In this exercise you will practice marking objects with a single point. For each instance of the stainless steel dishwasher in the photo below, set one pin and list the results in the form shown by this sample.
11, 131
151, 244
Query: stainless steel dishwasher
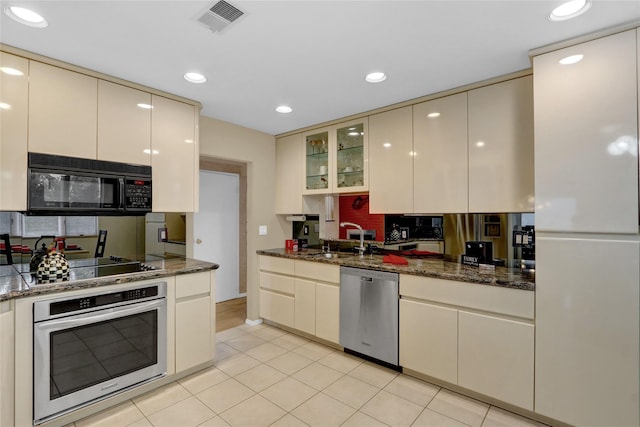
369, 313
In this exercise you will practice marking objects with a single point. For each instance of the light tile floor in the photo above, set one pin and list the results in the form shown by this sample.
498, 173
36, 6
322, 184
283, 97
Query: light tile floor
264, 376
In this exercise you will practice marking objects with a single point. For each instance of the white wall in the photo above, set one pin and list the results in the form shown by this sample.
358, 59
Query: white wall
223, 140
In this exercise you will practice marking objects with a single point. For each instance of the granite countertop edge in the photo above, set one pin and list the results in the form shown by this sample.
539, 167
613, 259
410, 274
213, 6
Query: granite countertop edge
435, 268
12, 287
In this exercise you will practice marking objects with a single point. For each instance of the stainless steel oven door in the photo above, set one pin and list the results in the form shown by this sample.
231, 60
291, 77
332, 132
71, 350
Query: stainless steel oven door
82, 358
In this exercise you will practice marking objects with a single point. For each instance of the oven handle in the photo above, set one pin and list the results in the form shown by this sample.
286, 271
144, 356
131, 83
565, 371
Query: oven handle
93, 316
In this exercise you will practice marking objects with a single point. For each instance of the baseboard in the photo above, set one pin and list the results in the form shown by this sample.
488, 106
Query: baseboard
253, 322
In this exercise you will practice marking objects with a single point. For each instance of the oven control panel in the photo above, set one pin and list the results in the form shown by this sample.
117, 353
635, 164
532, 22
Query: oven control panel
94, 301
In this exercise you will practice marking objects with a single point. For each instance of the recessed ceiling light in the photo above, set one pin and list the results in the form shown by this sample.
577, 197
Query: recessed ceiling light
571, 59
284, 109
4, 106
386, 145
145, 106
11, 71
376, 77
195, 77
432, 115
25, 16
480, 144
189, 141
569, 10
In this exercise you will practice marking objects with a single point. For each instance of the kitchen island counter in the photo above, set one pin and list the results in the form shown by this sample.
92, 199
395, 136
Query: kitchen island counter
426, 267
12, 284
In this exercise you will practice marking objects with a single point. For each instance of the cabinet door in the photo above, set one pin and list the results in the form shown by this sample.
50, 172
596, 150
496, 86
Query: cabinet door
316, 162
305, 306
429, 339
193, 335
440, 178
328, 312
63, 111
277, 307
7, 347
124, 124
495, 357
14, 96
391, 161
501, 147
289, 151
586, 127
174, 156
587, 331
350, 171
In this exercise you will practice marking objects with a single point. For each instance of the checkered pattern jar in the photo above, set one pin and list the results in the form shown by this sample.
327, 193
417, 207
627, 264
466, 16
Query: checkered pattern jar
54, 267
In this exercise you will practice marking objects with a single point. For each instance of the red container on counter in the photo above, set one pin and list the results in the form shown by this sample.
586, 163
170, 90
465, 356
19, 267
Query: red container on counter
291, 245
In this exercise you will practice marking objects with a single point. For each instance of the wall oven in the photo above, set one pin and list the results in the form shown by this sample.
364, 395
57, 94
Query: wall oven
87, 348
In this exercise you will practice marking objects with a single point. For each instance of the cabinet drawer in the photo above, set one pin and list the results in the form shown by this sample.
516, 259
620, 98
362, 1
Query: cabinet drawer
276, 307
193, 284
276, 282
277, 265
511, 302
317, 271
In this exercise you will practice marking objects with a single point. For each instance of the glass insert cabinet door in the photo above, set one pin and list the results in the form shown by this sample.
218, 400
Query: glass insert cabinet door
350, 156
317, 161
336, 159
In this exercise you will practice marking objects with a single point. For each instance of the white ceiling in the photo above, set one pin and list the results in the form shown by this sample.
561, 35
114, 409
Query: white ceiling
311, 55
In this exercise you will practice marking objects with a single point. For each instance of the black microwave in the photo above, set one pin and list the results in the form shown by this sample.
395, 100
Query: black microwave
60, 185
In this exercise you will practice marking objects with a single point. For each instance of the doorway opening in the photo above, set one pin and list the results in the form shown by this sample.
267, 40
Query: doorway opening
233, 312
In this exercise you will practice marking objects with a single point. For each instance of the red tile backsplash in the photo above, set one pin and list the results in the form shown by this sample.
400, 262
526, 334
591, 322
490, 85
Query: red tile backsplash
360, 216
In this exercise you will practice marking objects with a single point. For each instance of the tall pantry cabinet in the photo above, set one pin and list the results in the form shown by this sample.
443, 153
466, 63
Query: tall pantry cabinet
588, 248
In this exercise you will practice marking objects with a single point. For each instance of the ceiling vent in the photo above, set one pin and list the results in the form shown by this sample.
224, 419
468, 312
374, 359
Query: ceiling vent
220, 15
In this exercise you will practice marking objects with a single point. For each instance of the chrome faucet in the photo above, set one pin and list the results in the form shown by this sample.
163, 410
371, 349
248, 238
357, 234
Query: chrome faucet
361, 248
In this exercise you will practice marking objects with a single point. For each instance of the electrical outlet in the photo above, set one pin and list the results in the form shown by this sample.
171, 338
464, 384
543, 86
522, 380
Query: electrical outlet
262, 230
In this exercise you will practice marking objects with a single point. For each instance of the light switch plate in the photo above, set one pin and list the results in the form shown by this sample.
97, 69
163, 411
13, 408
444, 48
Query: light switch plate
262, 230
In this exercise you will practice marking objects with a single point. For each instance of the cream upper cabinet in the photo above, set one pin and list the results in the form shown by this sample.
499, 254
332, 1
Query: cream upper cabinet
501, 147
440, 177
174, 158
14, 110
391, 161
124, 124
336, 159
63, 112
586, 130
289, 151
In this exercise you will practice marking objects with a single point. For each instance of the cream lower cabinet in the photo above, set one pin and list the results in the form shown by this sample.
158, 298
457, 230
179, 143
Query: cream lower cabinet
63, 111
14, 92
303, 295
429, 339
391, 161
496, 357
277, 290
194, 320
476, 336
305, 306
328, 311
7, 377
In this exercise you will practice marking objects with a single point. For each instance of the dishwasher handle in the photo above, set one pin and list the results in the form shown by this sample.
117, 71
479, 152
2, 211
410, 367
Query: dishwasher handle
366, 279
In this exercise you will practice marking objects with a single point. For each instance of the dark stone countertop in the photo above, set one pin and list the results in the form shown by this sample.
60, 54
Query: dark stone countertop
14, 285
427, 267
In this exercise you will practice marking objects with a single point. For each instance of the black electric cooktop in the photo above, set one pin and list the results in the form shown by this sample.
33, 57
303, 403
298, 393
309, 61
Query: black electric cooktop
90, 268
